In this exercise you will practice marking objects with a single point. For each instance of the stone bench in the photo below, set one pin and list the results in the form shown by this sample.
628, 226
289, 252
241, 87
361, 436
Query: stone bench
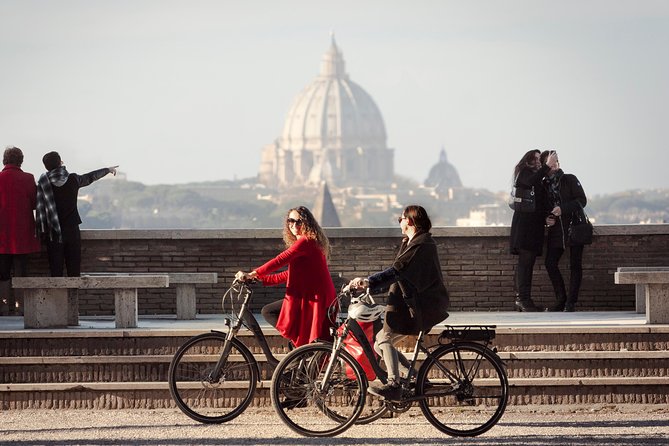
651, 287
46, 303
185, 287
640, 288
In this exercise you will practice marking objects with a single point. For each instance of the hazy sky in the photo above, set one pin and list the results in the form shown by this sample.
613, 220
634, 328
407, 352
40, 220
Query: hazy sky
180, 91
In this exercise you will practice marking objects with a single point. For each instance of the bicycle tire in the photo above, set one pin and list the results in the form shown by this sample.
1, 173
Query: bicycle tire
298, 400
470, 402
374, 409
196, 394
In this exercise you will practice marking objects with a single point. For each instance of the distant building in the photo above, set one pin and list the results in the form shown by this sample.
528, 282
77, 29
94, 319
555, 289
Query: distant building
333, 132
485, 215
443, 175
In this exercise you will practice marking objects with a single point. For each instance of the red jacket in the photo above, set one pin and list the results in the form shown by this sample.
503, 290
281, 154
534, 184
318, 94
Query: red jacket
18, 194
309, 291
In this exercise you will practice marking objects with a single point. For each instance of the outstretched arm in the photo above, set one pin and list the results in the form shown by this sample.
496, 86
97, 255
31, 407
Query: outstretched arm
88, 178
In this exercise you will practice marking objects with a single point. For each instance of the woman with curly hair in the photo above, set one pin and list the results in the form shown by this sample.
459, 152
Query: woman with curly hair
302, 315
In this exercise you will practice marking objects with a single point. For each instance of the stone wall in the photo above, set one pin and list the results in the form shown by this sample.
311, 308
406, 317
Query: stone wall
477, 265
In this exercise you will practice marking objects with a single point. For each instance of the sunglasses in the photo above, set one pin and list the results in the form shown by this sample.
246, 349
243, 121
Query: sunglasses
399, 219
292, 221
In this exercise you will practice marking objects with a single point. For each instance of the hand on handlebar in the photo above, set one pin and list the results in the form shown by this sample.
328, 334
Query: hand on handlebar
358, 283
241, 276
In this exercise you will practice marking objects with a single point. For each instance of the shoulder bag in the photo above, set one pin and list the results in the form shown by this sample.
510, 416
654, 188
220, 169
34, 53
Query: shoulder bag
580, 229
522, 199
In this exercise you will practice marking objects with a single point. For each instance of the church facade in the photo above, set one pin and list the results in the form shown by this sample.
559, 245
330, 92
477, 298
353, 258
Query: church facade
333, 133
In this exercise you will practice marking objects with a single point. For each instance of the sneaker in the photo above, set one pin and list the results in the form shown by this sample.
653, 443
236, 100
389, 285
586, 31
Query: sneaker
390, 392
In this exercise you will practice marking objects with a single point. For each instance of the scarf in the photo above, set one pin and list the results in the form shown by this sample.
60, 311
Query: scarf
553, 185
47, 214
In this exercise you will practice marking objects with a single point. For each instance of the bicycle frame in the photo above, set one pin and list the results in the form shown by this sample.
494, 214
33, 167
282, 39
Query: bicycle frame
247, 319
328, 380
352, 326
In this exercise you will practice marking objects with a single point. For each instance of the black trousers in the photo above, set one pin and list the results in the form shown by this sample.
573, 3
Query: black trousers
524, 271
270, 312
18, 261
66, 254
552, 261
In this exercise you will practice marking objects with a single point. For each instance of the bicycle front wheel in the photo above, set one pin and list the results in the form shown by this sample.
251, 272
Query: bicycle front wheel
206, 396
306, 403
466, 389
374, 409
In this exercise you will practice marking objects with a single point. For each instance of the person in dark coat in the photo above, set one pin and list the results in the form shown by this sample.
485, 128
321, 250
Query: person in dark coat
58, 217
567, 199
417, 297
18, 238
527, 228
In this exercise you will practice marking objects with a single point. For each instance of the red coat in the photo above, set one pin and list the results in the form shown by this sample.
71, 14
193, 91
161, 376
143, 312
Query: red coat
309, 291
18, 195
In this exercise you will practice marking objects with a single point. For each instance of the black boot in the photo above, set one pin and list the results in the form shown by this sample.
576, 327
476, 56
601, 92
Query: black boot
570, 307
527, 306
559, 304
559, 289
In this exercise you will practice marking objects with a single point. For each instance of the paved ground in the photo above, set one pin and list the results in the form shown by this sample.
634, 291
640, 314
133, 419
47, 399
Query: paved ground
619, 426
205, 322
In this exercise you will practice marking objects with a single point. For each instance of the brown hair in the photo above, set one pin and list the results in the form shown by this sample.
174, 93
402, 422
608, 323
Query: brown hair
417, 215
13, 155
524, 162
310, 229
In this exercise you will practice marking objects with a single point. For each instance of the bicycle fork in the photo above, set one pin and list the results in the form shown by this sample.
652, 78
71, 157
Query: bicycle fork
334, 357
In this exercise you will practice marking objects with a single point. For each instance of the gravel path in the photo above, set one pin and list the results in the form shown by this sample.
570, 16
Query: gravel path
617, 426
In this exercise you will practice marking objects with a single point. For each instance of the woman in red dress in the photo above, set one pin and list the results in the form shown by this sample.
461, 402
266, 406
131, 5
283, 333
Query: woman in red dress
302, 315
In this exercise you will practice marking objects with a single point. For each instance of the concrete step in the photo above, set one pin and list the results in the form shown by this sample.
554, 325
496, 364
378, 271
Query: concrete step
153, 395
102, 368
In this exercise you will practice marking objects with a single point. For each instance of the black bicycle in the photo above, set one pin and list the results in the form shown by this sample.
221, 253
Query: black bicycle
461, 385
213, 376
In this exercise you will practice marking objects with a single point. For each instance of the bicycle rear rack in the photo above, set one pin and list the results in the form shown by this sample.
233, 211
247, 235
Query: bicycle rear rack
482, 333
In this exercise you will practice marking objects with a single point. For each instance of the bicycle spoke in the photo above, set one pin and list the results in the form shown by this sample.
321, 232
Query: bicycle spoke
466, 388
220, 399
306, 403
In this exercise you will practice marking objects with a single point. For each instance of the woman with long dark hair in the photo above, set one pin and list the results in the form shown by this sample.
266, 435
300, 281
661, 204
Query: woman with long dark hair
302, 315
527, 228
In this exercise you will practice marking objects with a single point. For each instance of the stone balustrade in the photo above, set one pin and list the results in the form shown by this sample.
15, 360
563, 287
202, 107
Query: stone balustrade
476, 263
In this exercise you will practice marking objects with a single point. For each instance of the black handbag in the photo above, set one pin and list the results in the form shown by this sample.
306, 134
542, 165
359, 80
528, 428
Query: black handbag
522, 200
580, 229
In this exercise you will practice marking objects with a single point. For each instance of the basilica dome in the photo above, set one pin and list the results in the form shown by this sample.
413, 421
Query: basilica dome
333, 112
333, 132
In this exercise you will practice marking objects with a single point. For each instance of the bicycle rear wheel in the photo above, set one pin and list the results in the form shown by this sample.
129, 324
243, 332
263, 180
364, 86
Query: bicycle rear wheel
206, 398
466, 388
311, 407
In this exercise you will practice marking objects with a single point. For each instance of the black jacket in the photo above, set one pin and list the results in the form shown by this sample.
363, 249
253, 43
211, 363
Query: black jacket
527, 228
416, 282
65, 197
571, 199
